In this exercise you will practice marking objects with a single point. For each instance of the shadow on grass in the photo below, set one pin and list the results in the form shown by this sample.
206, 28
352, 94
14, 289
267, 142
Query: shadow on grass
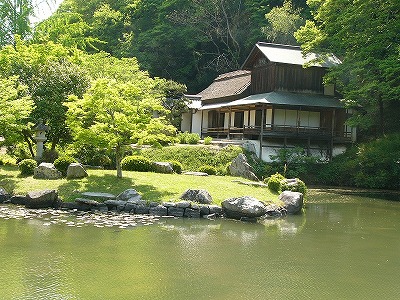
108, 184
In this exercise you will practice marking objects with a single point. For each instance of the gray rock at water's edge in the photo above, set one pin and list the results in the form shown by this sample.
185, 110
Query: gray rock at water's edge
128, 194
246, 206
76, 171
183, 204
274, 210
115, 202
192, 213
128, 207
4, 195
215, 209
46, 171
158, 210
137, 201
240, 167
98, 196
204, 210
89, 202
169, 204
199, 196
293, 201
142, 209
18, 199
176, 211
163, 167
42, 199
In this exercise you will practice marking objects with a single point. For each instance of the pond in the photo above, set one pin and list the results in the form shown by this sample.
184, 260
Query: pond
343, 247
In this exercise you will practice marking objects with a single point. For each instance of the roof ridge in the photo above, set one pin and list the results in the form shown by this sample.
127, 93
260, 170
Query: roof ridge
278, 45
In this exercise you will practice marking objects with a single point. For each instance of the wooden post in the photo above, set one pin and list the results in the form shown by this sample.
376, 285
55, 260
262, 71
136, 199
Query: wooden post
201, 124
332, 133
262, 130
229, 123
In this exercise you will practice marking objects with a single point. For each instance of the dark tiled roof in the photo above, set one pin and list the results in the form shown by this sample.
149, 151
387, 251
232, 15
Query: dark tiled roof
228, 84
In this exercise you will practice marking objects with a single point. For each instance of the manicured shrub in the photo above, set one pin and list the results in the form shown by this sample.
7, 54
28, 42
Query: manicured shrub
193, 138
182, 137
176, 166
6, 160
210, 170
299, 186
63, 162
208, 140
274, 182
137, 163
27, 166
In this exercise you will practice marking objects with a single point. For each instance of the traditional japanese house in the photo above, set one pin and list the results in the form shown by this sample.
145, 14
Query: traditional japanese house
278, 99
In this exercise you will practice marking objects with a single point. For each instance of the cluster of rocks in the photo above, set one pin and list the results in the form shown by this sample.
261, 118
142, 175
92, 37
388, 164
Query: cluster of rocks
193, 204
49, 171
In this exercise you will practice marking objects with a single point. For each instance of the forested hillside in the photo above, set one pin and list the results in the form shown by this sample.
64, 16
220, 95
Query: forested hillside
189, 41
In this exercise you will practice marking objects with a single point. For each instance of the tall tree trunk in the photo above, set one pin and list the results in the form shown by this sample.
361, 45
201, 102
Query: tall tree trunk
118, 161
27, 138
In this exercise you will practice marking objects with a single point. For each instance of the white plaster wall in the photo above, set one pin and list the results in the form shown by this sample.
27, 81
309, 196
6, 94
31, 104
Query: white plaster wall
185, 125
226, 120
196, 123
252, 118
268, 115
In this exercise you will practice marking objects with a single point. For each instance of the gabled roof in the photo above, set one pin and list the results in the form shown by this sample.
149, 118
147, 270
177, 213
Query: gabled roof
282, 98
228, 84
287, 54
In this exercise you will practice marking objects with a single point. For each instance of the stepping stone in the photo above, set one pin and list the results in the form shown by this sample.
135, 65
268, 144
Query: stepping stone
98, 196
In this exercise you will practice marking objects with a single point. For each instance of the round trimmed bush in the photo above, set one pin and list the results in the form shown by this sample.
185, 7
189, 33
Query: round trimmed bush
208, 140
274, 182
27, 166
136, 163
299, 186
63, 162
193, 138
176, 166
210, 170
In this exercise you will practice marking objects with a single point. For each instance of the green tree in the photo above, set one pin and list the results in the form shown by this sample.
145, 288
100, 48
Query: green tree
365, 34
14, 18
283, 22
113, 114
15, 107
68, 29
50, 76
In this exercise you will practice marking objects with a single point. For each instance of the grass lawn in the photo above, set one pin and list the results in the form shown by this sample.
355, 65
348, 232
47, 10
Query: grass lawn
152, 186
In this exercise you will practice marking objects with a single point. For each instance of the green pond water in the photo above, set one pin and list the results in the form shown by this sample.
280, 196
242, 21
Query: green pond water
343, 247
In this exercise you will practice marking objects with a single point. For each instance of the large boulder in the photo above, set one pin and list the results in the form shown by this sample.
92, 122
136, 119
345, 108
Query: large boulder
46, 171
163, 167
129, 194
76, 170
4, 195
293, 201
243, 207
241, 168
42, 199
199, 196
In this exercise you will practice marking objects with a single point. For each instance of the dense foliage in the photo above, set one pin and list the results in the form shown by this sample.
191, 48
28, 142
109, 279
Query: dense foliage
194, 157
183, 40
27, 166
63, 162
365, 35
137, 163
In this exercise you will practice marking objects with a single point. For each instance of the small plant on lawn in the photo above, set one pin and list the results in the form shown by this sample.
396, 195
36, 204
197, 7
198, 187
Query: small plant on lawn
274, 182
210, 170
63, 162
208, 140
136, 163
27, 166
193, 138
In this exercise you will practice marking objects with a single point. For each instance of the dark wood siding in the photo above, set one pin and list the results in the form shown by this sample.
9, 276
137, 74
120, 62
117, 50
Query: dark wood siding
291, 78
